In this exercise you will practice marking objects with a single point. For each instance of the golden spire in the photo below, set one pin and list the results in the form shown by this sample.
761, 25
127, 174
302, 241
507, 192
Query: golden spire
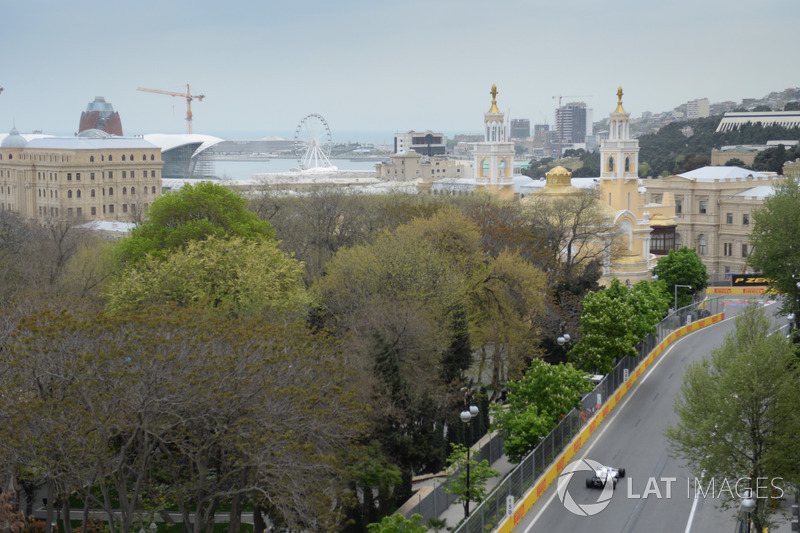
494, 110
619, 108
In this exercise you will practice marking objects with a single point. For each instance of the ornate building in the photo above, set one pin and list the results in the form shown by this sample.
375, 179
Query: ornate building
100, 115
80, 178
493, 159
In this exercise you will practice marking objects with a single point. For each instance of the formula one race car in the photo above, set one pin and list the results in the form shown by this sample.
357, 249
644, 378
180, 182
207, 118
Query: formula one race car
603, 475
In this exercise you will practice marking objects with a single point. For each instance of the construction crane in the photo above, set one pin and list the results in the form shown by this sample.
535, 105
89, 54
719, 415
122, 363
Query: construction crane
558, 115
189, 97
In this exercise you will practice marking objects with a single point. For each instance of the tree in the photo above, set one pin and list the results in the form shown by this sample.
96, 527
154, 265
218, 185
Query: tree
792, 106
195, 212
735, 162
536, 403
234, 275
397, 523
737, 416
479, 473
682, 267
776, 252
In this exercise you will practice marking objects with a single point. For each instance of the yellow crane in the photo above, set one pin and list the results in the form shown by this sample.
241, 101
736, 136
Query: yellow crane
189, 97
558, 116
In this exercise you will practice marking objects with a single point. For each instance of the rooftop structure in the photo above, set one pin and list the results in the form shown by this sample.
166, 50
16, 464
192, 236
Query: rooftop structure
734, 120
100, 115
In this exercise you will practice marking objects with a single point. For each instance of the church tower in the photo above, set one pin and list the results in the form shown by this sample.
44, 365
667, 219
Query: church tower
493, 159
619, 154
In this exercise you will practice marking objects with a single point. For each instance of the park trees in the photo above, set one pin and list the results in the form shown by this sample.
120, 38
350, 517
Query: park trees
479, 473
536, 403
195, 212
737, 415
776, 252
211, 407
614, 320
682, 267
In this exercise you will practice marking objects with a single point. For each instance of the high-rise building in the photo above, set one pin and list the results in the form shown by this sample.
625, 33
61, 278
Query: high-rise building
427, 143
100, 115
571, 122
520, 128
699, 108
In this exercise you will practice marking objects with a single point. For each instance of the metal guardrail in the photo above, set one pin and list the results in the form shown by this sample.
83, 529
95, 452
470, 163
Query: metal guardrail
489, 513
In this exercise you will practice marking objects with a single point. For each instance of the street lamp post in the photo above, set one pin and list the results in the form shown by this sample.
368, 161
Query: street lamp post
466, 416
676, 294
748, 504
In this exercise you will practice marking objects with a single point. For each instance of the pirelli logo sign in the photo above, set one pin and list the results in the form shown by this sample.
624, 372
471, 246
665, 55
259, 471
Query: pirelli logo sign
749, 280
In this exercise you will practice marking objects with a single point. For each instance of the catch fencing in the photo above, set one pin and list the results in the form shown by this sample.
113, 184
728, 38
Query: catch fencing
499, 504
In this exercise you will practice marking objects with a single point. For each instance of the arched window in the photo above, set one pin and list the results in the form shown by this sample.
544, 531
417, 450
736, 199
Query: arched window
91, 159
152, 157
124, 190
110, 157
702, 244
111, 191
154, 189
611, 164
69, 193
131, 157
503, 167
123, 157
627, 164
78, 193
144, 157
133, 190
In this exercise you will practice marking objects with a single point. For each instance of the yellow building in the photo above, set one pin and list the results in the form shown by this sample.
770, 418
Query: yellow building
493, 158
80, 178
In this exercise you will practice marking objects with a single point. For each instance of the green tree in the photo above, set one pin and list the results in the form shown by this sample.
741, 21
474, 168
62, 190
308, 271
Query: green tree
737, 415
536, 403
397, 523
234, 275
611, 329
792, 106
682, 267
479, 473
776, 252
735, 162
195, 212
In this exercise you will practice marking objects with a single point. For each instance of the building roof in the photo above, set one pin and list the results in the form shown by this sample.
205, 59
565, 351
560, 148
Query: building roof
757, 193
167, 141
705, 174
89, 143
733, 120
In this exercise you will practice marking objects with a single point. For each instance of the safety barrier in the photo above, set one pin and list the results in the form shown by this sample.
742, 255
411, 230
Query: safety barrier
505, 507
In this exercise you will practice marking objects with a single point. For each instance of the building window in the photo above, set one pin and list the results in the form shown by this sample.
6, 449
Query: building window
702, 245
94, 211
124, 191
131, 157
152, 173
727, 249
91, 176
133, 173
133, 190
124, 173
110, 175
69, 176
154, 189
77, 176
80, 211
123, 157
744, 250
92, 193
746, 219
729, 218
91, 159
702, 207
152, 157
69, 211
111, 191
110, 157
144, 157
78, 193
111, 208
678, 206
69, 193
124, 208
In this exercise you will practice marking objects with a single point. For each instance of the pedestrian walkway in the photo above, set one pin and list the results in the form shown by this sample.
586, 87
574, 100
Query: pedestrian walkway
454, 514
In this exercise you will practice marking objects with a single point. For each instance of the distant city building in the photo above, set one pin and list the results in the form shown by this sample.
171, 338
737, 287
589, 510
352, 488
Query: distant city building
697, 109
411, 166
746, 153
100, 115
734, 120
426, 143
573, 123
520, 128
78, 178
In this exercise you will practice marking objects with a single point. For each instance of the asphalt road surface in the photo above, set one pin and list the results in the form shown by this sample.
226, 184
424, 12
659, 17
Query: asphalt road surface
658, 492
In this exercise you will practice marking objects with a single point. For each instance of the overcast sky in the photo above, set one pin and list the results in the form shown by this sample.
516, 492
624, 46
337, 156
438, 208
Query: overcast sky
381, 65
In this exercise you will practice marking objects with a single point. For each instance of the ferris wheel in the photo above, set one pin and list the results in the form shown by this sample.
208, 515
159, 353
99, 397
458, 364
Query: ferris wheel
312, 143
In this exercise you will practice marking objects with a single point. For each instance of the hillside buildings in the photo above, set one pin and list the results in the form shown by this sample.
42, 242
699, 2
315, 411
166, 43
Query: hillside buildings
699, 108
736, 119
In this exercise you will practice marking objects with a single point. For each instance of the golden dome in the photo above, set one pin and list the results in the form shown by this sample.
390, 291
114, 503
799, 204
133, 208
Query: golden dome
494, 110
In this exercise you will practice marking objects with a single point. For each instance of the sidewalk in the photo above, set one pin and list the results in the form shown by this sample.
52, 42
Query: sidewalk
455, 513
